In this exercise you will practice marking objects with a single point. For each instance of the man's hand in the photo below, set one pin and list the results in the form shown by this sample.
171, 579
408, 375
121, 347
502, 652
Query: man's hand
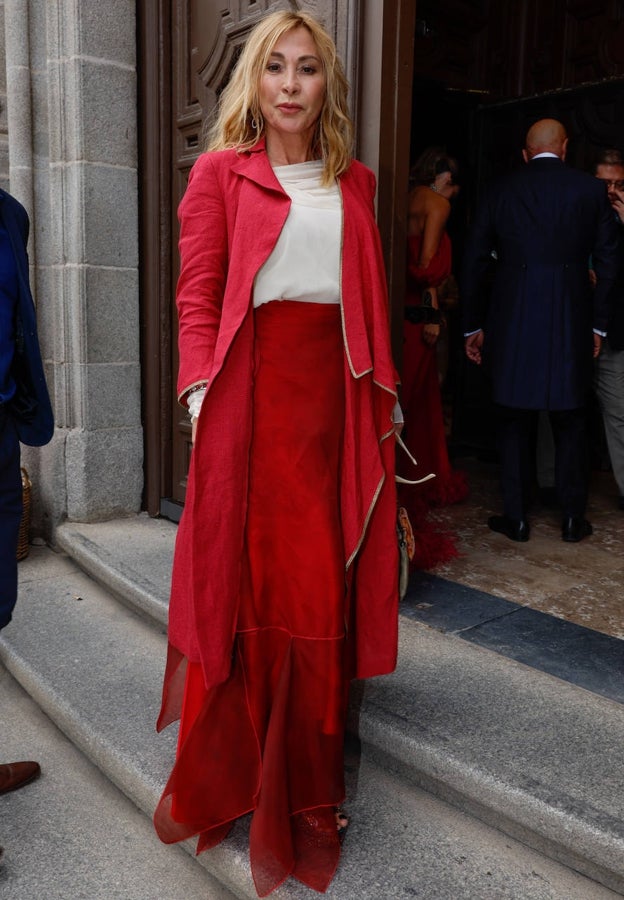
597, 345
618, 205
473, 345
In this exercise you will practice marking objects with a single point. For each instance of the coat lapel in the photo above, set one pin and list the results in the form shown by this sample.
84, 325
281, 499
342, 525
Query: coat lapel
261, 212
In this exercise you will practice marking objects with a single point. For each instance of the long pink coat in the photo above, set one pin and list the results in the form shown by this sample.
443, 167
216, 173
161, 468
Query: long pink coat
231, 217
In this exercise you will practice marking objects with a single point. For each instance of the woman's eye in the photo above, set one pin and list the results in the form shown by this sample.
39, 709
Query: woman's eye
273, 67
308, 70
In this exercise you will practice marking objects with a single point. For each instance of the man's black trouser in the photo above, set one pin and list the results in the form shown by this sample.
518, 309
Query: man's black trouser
516, 442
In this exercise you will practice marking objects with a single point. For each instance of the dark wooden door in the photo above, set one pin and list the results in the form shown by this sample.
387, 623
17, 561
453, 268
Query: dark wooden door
187, 51
206, 41
193, 25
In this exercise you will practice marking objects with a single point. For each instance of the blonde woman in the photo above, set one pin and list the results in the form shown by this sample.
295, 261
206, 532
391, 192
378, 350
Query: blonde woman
285, 574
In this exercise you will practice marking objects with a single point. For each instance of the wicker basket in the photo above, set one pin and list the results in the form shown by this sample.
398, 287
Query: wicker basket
24, 527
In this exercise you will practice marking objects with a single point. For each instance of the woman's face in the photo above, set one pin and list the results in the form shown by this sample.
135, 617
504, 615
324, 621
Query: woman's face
292, 86
445, 185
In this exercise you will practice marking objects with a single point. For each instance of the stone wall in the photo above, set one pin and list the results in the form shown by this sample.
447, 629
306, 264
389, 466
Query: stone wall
72, 117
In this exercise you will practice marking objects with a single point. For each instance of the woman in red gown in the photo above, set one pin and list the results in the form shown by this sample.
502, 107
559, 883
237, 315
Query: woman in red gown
429, 266
285, 577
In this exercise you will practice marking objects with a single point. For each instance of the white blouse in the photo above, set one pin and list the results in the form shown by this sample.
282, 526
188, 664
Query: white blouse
305, 262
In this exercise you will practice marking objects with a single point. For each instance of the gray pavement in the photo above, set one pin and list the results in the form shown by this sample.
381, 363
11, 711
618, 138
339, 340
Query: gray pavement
540, 758
72, 835
537, 758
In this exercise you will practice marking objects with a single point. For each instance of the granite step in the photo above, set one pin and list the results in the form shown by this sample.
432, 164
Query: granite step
130, 557
94, 668
529, 754
534, 756
72, 834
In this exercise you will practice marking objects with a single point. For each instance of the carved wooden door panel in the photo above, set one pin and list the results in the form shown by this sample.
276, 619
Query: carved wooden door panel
206, 37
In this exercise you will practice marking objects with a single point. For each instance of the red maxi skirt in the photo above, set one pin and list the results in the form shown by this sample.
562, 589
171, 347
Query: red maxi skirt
269, 740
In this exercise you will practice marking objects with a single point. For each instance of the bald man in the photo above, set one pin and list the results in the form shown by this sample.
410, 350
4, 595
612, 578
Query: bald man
541, 327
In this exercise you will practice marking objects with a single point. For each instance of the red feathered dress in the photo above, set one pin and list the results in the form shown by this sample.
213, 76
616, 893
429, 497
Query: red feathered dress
424, 421
285, 571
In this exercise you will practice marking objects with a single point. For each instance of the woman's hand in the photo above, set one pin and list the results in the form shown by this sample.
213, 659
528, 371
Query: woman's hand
193, 430
431, 333
397, 418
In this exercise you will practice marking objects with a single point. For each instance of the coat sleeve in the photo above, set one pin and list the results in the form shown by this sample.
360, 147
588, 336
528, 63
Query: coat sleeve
605, 259
203, 270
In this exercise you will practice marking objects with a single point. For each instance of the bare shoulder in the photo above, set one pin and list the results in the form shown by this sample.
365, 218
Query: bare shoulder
424, 201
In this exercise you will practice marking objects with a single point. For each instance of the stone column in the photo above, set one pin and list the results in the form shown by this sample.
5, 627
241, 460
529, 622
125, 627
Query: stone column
85, 219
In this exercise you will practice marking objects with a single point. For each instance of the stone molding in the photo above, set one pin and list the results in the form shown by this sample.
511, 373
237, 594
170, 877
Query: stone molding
73, 163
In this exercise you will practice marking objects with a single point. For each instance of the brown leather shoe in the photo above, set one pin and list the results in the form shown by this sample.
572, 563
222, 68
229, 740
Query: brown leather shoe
16, 775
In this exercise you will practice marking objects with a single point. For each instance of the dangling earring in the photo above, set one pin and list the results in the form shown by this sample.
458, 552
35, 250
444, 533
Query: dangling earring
254, 124
433, 187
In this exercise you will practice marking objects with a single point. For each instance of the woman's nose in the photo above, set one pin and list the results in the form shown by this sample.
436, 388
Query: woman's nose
291, 81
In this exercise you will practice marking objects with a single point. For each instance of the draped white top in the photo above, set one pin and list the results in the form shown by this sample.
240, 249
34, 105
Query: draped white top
305, 262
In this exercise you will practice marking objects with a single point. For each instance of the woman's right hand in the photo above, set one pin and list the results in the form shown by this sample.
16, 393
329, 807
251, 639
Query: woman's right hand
193, 430
431, 332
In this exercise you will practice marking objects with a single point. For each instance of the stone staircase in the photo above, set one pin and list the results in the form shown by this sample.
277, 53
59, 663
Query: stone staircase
472, 776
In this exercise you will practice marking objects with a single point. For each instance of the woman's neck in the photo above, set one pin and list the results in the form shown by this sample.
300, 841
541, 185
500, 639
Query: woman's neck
288, 150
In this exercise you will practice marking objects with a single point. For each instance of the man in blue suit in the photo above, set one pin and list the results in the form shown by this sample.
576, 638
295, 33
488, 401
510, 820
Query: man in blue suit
25, 411
543, 326
25, 415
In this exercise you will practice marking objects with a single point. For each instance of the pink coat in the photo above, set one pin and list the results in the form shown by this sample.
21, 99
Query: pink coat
231, 217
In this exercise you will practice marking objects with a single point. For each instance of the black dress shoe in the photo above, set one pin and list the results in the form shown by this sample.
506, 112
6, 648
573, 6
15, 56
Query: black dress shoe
575, 528
514, 529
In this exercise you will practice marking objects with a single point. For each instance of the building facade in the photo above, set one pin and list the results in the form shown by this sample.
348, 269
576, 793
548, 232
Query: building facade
104, 107
101, 111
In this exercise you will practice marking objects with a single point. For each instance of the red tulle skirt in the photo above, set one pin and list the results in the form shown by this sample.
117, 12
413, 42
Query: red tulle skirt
269, 740
425, 436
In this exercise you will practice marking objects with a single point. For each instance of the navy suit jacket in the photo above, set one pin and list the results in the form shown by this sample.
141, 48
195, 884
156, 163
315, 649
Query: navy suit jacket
543, 221
30, 409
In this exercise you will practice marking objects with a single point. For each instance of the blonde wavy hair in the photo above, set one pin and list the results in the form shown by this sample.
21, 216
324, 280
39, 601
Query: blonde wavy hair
239, 105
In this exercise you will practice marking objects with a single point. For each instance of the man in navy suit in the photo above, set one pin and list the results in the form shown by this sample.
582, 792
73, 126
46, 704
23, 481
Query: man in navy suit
543, 326
25, 411
25, 415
